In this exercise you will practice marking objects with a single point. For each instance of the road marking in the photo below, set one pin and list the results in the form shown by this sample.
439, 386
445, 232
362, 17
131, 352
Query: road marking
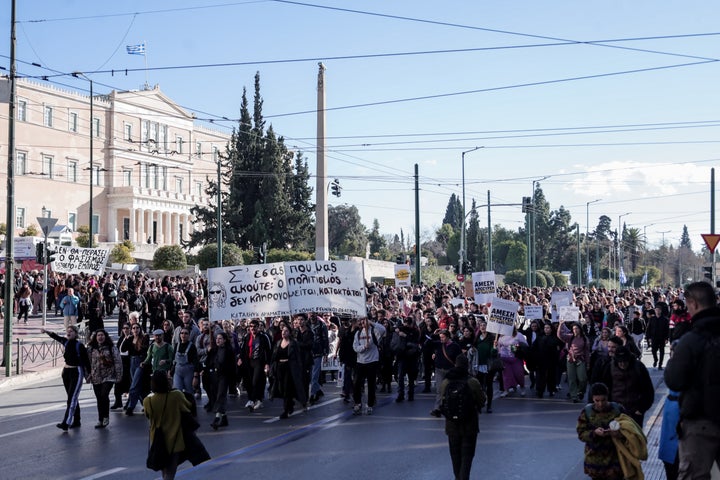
104, 474
37, 427
317, 405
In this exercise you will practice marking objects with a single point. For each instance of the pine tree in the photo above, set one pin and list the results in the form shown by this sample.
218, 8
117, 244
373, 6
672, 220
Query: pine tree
453, 213
685, 239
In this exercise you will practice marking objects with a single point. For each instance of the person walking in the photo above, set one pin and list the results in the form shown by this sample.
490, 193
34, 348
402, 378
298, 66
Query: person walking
694, 372
77, 364
593, 428
287, 372
578, 355
221, 366
446, 351
658, 332
368, 356
463, 399
105, 369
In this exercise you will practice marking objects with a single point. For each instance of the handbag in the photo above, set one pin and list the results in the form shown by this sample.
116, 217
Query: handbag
495, 363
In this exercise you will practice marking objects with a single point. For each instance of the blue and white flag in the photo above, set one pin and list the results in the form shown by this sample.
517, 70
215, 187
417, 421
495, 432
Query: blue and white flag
138, 49
623, 278
644, 279
589, 273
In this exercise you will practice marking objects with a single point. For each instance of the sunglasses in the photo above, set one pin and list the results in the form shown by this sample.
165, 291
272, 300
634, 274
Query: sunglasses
215, 292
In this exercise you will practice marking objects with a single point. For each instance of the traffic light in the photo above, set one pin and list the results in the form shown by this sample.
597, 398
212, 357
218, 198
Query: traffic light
40, 253
50, 253
526, 204
467, 267
399, 260
261, 255
708, 272
456, 269
336, 188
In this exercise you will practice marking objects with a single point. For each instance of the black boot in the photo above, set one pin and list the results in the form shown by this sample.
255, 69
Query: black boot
215, 423
223, 421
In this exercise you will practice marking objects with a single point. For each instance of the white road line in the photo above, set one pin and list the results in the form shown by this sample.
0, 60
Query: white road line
318, 405
104, 474
16, 432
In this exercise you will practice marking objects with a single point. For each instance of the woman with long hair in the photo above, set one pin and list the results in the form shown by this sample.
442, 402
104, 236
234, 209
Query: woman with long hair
514, 370
622, 332
122, 386
578, 355
287, 371
96, 312
105, 369
221, 366
485, 344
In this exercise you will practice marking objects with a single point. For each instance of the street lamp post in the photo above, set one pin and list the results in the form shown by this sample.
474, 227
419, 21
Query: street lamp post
533, 211
620, 249
461, 255
46, 225
92, 171
587, 235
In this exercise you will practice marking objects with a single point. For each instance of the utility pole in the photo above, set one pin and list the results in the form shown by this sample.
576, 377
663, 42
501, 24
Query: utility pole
321, 200
418, 277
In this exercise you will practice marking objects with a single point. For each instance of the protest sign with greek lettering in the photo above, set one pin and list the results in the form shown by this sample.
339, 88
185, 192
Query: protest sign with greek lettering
557, 300
484, 287
247, 291
534, 312
402, 276
503, 314
326, 286
75, 260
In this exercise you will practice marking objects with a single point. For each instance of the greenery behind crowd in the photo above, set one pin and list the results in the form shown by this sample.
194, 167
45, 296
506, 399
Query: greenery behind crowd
266, 206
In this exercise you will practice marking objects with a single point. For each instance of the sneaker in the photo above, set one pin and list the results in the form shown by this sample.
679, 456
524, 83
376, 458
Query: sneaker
62, 426
357, 409
522, 392
368, 411
503, 394
249, 404
436, 413
511, 390
257, 405
129, 412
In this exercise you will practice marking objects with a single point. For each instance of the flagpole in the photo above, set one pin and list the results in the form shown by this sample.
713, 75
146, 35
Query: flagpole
147, 86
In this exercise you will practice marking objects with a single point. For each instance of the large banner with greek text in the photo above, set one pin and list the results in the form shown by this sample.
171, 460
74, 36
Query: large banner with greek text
503, 314
275, 289
326, 286
484, 287
247, 291
75, 260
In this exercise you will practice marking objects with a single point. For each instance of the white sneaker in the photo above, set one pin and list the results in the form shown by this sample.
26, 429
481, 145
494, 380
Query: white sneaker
257, 405
522, 392
503, 394
249, 404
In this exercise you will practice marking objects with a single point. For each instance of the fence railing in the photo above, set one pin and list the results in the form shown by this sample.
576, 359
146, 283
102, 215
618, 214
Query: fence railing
34, 354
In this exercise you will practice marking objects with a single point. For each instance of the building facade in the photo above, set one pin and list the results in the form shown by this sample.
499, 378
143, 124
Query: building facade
150, 162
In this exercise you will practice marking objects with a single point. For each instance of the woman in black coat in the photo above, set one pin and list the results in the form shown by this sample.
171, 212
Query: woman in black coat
428, 337
287, 372
96, 312
220, 364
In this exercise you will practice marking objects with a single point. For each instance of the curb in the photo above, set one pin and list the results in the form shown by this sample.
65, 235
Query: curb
29, 378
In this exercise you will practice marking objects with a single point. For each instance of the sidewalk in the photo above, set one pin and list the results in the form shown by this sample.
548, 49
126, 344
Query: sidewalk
42, 360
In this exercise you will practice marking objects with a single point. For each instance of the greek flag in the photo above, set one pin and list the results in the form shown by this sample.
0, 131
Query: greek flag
644, 279
623, 278
136, 49
589, 273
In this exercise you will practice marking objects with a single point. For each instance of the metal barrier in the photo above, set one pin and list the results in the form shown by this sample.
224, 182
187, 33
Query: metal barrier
36, 353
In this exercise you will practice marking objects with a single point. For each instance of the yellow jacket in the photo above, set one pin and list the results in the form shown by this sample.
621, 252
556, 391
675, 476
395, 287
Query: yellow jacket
631, 446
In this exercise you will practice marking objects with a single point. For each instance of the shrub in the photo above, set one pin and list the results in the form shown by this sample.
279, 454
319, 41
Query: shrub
169, 257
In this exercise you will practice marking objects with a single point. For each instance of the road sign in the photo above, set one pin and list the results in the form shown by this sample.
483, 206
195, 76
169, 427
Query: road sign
711, 240
460, 277
47, 224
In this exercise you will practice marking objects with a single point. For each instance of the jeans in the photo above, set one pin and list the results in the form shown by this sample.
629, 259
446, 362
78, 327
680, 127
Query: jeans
315, 375
699, 448
577, 378
183, 378
439, 377
136, 383
409, 367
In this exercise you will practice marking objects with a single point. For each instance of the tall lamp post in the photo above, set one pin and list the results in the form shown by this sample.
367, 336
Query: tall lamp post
587, 235
620, 249
533, 211
46, 225
461, 255
92, 170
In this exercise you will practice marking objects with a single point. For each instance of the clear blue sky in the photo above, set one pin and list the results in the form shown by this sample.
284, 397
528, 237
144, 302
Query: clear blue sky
576, 91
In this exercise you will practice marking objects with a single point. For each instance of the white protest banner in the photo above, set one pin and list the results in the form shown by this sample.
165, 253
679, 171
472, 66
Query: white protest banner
484, 287
77, 259
557, 300
326, 286
503, 314
402, 276
534, 312
569, 314
246, 291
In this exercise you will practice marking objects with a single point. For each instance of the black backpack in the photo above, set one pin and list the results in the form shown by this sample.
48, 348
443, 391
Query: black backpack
458, 403
710, 375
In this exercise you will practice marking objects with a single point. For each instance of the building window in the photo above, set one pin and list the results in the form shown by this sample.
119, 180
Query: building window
198, 189
127, 177
72, 171
198, 149
72, 221
127, 132
179, 144
154, 134
73, 122
179, 184
96, 127
48, 116
96, 224
144, 130
47, 166
20, 217
164, 137
21, 163
215, 153
96, 175
164, 178
22, 110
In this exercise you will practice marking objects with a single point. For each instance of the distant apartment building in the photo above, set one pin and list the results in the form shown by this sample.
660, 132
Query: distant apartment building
149, 166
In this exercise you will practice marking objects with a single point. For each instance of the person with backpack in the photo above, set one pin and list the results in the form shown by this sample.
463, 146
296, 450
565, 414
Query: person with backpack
594, 430
694, 372
462, 400
365, 344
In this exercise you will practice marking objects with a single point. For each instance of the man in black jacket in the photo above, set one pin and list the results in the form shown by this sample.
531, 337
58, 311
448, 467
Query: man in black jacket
658, 332
696, 379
